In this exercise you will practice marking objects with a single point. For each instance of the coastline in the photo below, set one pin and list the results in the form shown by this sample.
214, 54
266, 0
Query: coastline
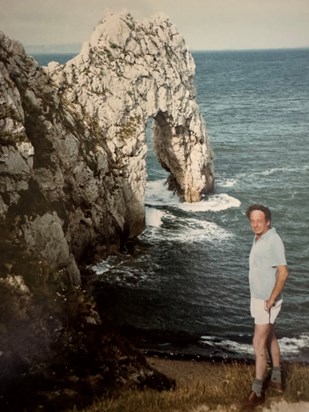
185, 346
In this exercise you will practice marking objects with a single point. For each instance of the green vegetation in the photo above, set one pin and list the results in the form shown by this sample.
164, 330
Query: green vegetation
229, 385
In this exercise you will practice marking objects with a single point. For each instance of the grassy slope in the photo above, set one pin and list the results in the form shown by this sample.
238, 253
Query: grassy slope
202, 386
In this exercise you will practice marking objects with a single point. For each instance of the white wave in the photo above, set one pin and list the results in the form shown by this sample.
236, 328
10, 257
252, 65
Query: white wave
157, 194
193, 230
185, 230
214, 203
293, 345
226, 182
275, 170
120, 272
105, 265
291, 169
154, 217
237, 347
290, 347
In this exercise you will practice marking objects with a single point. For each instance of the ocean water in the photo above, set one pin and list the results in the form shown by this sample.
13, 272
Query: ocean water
182, 287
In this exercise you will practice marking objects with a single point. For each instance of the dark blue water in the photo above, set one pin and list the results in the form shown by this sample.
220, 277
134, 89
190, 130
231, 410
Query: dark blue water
44, 58
184, 284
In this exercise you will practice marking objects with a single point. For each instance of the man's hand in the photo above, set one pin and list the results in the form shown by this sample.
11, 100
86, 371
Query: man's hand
269, 303
282, 275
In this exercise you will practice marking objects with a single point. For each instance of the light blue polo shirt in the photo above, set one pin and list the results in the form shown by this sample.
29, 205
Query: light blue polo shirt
266, 254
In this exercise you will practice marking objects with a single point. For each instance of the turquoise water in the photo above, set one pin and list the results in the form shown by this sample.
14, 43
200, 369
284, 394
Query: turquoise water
183, 287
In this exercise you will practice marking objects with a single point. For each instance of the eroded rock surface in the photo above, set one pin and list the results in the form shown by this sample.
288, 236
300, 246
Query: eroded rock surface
73, 148
72, 162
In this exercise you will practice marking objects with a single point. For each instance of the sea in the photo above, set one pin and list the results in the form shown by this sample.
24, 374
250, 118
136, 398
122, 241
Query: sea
181, 288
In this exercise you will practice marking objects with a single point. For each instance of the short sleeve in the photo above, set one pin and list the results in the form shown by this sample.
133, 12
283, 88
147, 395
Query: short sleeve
278, 252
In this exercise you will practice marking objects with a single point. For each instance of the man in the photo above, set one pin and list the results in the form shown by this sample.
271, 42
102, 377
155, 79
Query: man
268, 273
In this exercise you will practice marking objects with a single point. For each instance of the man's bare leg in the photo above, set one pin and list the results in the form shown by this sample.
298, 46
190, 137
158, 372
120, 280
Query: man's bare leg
274, 348
274, 352
260, 338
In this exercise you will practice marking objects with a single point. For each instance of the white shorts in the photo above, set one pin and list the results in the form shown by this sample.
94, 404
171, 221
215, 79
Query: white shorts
261, 315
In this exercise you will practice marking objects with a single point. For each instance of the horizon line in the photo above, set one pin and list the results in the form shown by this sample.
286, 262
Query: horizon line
190, 50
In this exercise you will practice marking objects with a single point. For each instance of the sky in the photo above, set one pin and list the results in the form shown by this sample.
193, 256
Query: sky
205, 24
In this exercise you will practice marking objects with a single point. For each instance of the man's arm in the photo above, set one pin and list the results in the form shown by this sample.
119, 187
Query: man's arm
282, 275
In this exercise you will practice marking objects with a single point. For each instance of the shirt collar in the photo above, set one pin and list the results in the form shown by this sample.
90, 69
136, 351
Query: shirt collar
269, 232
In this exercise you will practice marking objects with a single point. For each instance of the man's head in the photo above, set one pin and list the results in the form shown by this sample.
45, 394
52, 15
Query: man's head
260, 219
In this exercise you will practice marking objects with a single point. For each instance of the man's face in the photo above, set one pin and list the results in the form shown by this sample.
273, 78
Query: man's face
258, 223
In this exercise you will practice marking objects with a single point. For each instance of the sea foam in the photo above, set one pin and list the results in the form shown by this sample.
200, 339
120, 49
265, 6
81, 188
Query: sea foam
214, 203
154, 217
184, 230
290, 347
157, 194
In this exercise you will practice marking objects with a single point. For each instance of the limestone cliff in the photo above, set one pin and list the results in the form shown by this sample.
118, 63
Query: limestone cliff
72, 155
73, 148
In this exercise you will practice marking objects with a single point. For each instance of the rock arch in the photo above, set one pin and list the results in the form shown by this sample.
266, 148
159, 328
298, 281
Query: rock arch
128, 72
80, 146
182, 154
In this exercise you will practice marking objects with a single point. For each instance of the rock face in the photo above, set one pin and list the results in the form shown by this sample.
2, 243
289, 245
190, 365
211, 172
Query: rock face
72, 158
72, 155
126, 74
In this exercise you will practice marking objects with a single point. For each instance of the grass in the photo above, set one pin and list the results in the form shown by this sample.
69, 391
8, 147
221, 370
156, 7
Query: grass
228, 388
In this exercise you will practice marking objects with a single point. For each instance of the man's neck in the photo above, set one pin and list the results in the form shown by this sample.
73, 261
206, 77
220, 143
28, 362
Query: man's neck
257, 237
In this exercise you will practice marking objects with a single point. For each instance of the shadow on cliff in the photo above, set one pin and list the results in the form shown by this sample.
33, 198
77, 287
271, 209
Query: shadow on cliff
56, 352
85, 358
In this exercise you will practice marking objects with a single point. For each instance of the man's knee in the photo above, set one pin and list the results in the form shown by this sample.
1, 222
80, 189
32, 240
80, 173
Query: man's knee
260, 337
258, 343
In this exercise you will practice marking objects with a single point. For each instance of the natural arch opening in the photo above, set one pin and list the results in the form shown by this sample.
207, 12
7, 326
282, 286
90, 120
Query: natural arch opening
155, 169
